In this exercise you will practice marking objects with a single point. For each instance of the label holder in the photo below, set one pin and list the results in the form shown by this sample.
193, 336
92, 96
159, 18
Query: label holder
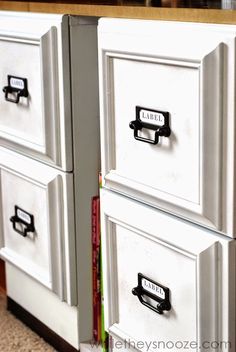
17, 87
155, 120
25, 221
147, 287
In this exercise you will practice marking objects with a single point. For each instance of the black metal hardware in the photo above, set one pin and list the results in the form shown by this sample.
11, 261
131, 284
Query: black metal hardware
155, 120
25, 219
17, 87
153, 290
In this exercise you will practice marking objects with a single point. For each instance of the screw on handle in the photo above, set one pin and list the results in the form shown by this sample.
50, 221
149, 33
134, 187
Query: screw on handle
135, 125
164, 131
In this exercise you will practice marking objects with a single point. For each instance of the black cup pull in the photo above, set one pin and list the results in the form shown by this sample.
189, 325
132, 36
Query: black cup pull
22, 221
155, 291
155, 120
16, 88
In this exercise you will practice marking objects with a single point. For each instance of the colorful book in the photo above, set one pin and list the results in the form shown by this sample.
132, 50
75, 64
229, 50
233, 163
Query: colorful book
100, 336
104, 334
96, 269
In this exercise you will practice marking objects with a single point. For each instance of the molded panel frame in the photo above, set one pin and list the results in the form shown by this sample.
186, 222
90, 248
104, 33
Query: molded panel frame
208, 210
51, 34
58, 188
213, 256
50, 152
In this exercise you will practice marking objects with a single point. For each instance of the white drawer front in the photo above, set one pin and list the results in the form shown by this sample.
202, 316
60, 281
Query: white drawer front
158, 81
37, 231
189, 264
35, 115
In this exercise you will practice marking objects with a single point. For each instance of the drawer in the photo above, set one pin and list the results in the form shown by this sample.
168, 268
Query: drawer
167, 116
37, 222
165, 279
35, 113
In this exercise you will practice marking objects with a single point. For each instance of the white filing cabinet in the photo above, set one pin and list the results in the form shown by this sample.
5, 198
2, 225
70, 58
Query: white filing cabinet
49, 157
167, 97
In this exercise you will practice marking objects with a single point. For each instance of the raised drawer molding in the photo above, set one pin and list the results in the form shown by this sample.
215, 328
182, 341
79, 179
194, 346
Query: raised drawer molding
29, 189
193, 263
36, 48
153, 69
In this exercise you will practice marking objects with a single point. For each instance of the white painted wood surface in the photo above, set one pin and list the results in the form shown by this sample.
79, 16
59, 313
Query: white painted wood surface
43, 304
36, 47
86, 156
62, 67
48, 254
194, 263
157, 65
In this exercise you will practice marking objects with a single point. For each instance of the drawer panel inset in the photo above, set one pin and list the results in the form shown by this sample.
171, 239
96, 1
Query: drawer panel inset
170, 166
32, 246
37, 232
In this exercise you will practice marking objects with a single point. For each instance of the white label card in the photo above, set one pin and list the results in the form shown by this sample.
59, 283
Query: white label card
17, 83
153, 288
152, 117
23, 216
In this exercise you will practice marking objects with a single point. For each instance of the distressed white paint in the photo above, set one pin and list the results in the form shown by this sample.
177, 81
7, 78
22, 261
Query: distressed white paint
194, 263
43, 304
157, 65
47, 194
58, 56
37, 48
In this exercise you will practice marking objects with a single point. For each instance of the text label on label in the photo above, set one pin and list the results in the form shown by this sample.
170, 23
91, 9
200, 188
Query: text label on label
152, 288
152, 117
23, 216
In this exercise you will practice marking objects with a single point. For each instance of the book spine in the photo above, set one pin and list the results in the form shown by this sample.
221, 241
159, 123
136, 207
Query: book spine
104, 334
98, 267
94, 268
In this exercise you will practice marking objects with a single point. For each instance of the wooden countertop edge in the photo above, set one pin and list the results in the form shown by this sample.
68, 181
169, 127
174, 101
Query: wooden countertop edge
167, 14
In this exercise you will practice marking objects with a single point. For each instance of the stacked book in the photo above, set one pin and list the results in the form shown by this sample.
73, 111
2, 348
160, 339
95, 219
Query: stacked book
100, 336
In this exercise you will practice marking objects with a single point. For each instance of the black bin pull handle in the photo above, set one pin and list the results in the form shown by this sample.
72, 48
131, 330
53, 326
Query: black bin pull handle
25, 219
155, 120
162, 303
160, 307
17, 86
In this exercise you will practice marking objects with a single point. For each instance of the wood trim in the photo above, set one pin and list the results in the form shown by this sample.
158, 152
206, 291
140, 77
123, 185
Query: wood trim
37, 326
2, 276
124, 11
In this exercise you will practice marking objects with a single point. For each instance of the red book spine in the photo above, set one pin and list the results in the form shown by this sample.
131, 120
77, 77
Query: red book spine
96, 268
98, 240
